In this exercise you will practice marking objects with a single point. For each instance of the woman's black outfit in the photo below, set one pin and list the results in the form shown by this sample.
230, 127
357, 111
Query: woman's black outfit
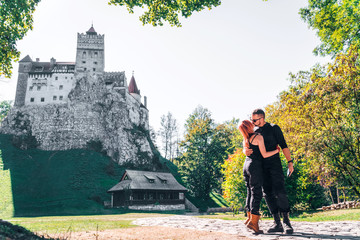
253, 176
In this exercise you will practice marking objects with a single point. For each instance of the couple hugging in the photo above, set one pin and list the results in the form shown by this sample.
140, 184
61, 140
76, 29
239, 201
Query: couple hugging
263, 172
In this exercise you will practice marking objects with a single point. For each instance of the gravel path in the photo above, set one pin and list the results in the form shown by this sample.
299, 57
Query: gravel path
302, 230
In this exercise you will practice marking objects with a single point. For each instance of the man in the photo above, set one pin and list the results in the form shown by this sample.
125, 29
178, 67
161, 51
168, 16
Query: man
274, 183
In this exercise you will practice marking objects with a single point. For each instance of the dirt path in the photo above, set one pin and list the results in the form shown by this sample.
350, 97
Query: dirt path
151, 233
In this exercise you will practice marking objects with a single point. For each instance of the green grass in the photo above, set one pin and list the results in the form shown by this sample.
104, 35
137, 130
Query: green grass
40, 183
64, 224
323, 216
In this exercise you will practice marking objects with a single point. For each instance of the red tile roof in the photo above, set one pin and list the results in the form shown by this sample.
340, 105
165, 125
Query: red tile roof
132, 86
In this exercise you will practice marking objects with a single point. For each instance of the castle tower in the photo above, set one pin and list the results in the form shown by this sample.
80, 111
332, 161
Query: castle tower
90, 52
133, 89
25, 65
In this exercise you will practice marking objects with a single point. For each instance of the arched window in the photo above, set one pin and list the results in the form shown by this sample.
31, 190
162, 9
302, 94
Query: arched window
84, 55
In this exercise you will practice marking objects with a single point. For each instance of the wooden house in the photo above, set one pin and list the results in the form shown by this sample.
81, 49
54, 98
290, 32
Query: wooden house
139, 188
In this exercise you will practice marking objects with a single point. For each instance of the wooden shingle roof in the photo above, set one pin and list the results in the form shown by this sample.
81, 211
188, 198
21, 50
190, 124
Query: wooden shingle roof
145, 180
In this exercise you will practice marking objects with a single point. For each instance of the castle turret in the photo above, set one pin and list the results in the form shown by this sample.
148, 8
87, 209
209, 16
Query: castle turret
25, 65
90, 52
133, 89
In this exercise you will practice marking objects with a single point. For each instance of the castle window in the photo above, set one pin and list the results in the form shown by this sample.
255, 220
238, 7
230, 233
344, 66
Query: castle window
84, 54
96, 54
31, 88
56, 78
32, 99
95, 63
85, 69
60, 98
65, 77
94, 69
42, 99
61, 87
54, 98
83, 61
39, 88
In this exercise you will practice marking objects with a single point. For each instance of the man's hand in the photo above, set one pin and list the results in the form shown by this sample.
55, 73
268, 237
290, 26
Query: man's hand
291, 168
247, 151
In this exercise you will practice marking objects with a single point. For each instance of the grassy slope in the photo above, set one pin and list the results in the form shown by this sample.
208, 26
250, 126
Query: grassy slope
35, 182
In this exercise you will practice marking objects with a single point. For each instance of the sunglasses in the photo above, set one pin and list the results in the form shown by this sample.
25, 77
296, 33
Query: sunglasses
255, 120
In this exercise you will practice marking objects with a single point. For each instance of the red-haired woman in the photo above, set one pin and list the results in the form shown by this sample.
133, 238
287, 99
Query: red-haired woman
253, 172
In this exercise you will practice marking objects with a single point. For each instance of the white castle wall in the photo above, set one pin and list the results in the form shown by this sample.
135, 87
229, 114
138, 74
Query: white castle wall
52, 89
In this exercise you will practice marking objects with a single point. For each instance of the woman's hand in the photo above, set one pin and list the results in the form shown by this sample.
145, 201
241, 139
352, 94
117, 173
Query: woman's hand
278, 148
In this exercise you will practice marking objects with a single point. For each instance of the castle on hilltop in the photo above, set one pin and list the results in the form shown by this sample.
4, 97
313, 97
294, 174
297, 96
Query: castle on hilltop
51, 82
69, 105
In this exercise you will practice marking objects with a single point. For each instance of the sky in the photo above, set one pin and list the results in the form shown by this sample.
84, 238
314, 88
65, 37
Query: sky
230, 60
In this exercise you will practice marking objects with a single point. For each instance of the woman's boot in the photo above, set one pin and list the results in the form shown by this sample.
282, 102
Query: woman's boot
254, 224
248, 218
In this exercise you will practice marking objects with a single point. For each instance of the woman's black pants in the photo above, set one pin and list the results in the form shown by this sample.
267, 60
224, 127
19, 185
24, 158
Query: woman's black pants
253, 176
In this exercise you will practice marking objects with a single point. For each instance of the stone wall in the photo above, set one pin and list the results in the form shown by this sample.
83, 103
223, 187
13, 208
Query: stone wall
93, 114
153, 207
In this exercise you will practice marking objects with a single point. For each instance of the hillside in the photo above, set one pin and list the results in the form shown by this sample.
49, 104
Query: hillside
36, 182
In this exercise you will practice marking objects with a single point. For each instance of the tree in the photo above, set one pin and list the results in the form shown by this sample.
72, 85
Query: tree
206, 145
168, 134
195, 165
169, 11
320, 116
16, 19
5, 107
337, 24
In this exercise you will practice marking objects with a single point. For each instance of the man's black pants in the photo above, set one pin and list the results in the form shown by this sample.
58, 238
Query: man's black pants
274, 185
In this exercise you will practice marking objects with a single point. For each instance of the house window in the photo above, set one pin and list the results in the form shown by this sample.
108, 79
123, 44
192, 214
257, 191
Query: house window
95, 63
181, 196
60, 98
151, 180
54, 98
32, 99
31, 88
39, 88
61, 87
42, 99
56, 78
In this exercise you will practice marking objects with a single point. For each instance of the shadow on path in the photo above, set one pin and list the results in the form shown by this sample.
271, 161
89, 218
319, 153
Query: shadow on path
312, 236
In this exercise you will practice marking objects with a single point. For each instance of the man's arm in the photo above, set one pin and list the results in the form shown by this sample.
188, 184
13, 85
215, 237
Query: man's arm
287, 155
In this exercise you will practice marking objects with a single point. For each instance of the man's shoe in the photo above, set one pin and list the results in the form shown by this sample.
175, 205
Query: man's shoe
277, 226
287, 226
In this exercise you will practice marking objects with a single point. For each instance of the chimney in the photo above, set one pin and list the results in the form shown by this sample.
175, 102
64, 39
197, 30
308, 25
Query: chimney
38, 59
52, 61
145, 101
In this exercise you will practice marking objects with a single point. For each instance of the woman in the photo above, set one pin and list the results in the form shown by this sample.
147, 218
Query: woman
253, 172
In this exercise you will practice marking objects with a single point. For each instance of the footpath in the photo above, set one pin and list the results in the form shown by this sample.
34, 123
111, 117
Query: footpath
349, 230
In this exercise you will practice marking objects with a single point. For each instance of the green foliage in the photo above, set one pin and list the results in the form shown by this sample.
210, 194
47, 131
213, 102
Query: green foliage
320, 116
337, 24
205, 146
234, 187
169, 11
5, 107
15, 21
